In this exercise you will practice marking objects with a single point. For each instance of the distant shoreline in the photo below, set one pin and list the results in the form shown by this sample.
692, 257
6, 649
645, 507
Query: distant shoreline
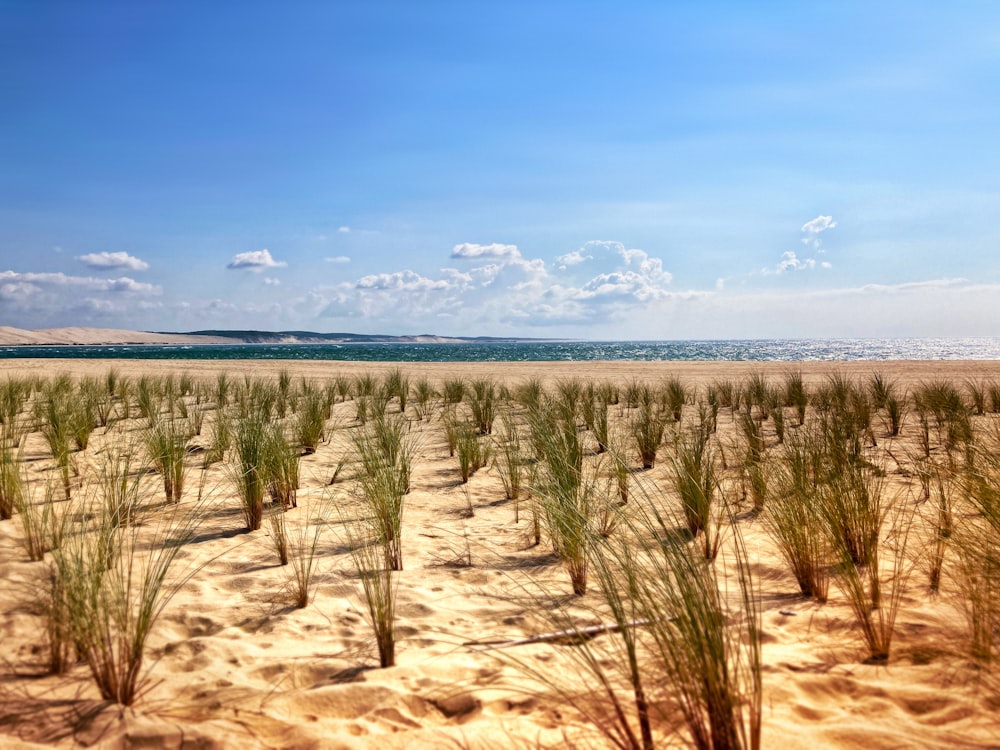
84, 336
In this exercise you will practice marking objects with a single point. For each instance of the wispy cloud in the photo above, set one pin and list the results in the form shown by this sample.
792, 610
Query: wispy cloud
344, 230
338, 259
106, 260
255, 260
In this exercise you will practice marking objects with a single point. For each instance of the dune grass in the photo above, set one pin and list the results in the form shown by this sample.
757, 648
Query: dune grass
366, 541
303, 553
796, 395
568, 496
674, 643
793, 519
166, 445
278, 532
472, 453
647, 427
111, 605
385, 451
508, 457
483, 403
979, 555
281, 466
694, 477
119, 481
43, 525
310, 419
12, 481
55, 413
712, 667
248, 472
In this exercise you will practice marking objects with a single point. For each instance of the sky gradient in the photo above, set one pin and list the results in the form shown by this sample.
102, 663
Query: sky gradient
636, 170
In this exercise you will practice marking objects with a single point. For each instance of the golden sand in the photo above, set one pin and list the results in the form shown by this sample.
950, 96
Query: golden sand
234, 665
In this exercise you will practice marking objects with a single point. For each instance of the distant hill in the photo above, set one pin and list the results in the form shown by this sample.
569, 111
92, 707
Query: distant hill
81, 336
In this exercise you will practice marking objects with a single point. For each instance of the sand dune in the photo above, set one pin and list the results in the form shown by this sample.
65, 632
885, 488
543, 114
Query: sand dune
234, 665
97, 336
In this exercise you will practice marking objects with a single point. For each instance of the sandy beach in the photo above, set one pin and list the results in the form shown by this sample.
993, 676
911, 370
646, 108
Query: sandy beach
231, 663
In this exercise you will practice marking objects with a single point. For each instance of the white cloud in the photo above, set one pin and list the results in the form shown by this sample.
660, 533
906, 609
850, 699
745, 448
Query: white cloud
268, 281
470, 250
819, 224
113, 260
790, 261
505, 286
617, 257
400, 281
909, 286
18, 291
338, 259
122, 284
255, 260
572, 259
38, 300
813, 229
125, 284
344, 230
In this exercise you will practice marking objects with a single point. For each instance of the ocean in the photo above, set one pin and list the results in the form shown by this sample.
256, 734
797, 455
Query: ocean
756, 350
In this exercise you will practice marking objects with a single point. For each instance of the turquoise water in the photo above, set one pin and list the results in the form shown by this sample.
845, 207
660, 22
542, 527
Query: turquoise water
786, 350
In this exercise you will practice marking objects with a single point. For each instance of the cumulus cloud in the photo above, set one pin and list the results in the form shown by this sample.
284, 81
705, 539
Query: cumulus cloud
572, 259
18, 291
602, 280
819, 225
42, 299
255, 260
473, 251
790, 260
813, 229
622, 258
400, 281
400, 295
113, 260
122, 284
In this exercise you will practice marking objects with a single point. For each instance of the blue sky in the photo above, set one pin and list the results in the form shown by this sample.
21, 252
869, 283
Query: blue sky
641, 170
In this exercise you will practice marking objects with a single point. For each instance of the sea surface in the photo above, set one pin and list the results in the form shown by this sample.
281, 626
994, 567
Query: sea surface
759, 350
